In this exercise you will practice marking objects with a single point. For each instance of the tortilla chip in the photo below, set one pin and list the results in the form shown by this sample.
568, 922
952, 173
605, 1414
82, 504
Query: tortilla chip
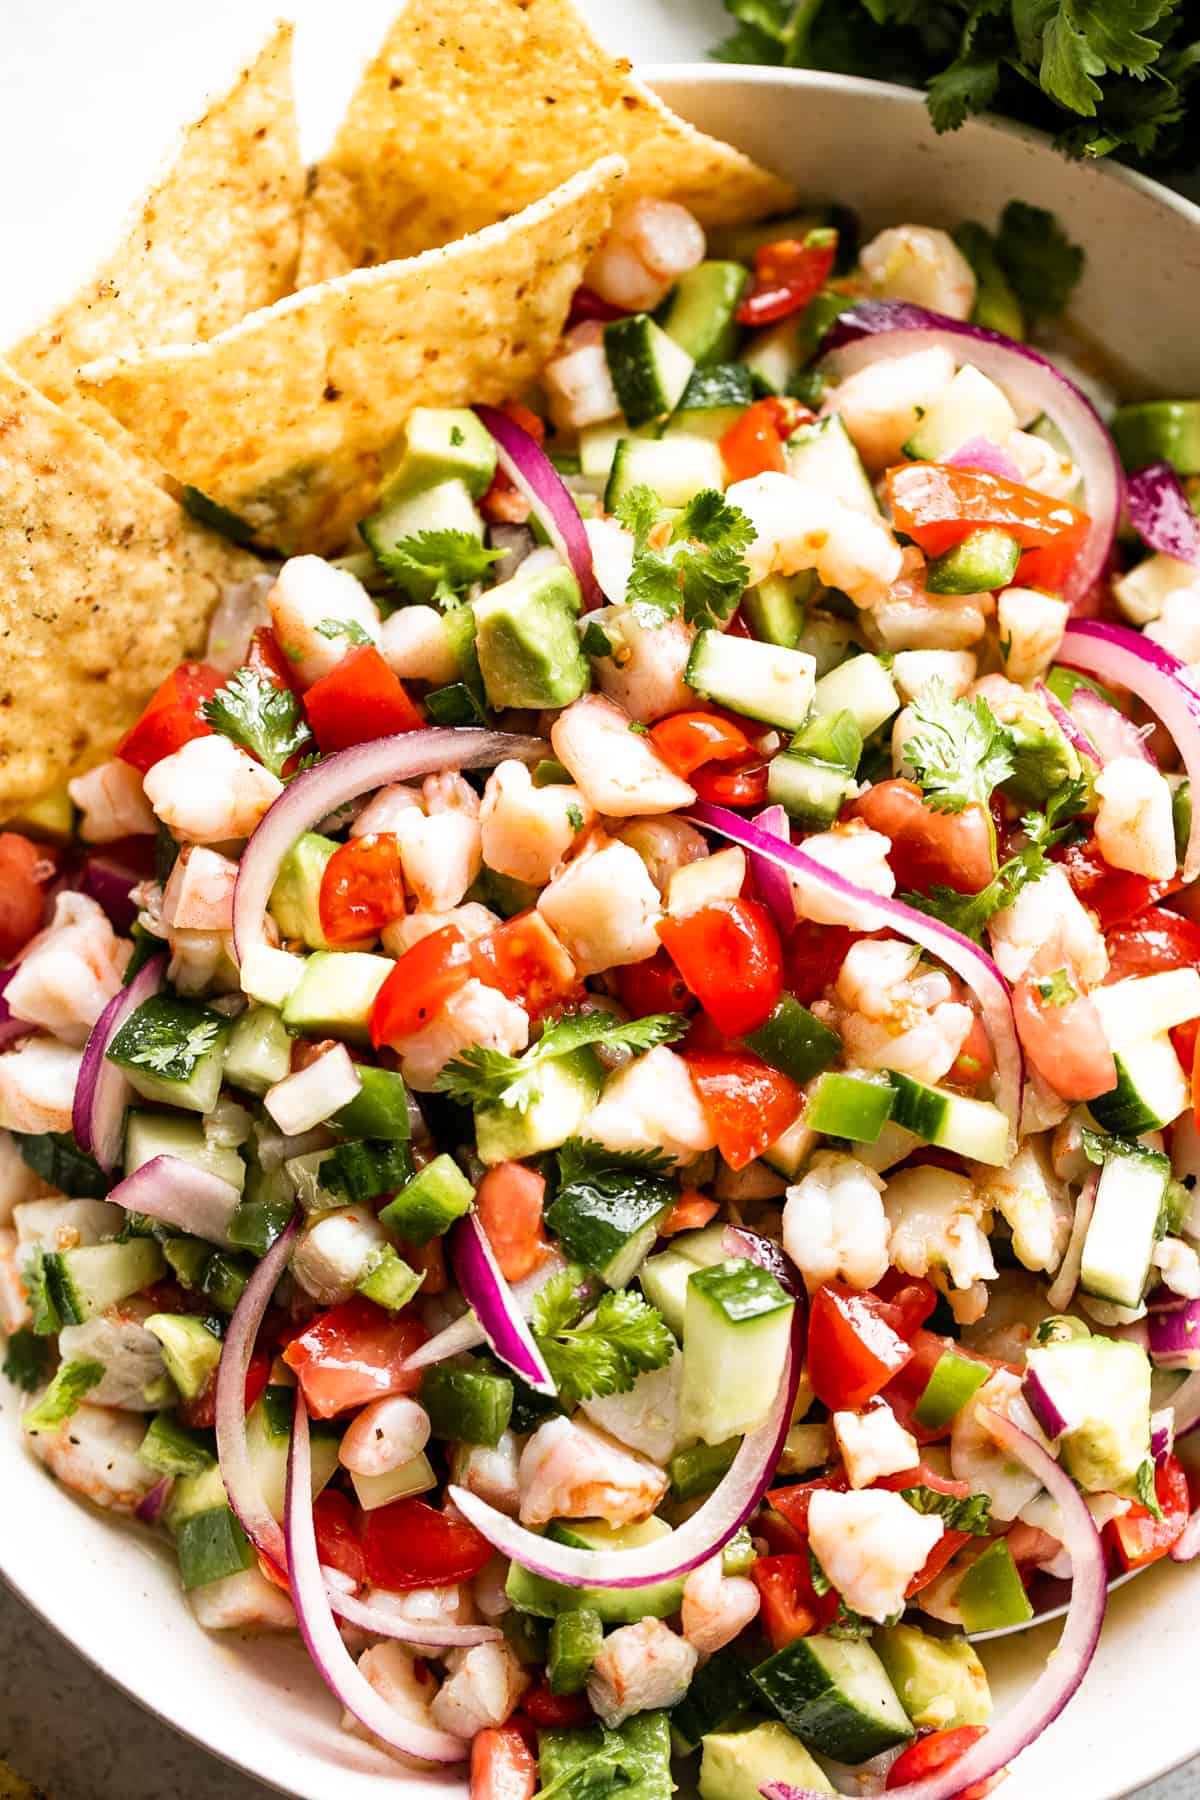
105, 584
286, 420
217, 238
474, 108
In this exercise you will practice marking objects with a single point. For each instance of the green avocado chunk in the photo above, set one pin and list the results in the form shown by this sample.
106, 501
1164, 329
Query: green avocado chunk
527, 641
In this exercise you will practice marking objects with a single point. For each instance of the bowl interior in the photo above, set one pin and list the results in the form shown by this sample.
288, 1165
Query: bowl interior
259, 1704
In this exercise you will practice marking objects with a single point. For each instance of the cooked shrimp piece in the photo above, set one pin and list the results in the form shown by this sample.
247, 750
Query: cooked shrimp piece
199, 892
664, 845
449, 792
1135, 827
716, 1607
640, 1667
441, 855
1034, 1202
489, 1470
921, 264
404, 1680
605, 909
508, 1202
908, 617
113, 803
14, 1307
473, 920
1031, 625
482, 1687
646, 1417
210, 791
475, 1015
1060, 1028
834, 1226
898, 1014
384, 1436
612, 550
645, 672
1050, 903
619, 770
572, 1471
1042, 466
37, 1085
309, 602
652, 1104
798, 528
95, 1454
246, 1601
870, 1544
134, 1379
56, 1223
852, 850
882, 405
650, 245
528, 832
69, 972
937, 1220
578, 385
18, 1181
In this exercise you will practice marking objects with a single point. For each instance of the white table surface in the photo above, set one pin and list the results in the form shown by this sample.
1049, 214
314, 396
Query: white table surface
61, 1725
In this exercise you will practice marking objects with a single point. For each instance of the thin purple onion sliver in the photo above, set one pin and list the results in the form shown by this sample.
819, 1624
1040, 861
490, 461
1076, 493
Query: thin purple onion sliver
530, 469
149, 1508
774, 888
981, 453
1161, 514
880, 328
1175, 1335
495, 1305
109, 884
102, 1092
1110, 731
1068, 726
1043, 1404
178, 1193
739, 1241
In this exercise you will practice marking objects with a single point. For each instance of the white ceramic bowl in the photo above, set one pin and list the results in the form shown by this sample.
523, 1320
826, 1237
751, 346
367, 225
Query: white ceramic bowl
114, 1594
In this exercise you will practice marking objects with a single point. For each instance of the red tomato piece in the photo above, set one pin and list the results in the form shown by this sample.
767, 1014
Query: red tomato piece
812, 957
357, 701
586, 304
408, 1544
352, 1354
422, 981
732, 785
747, 1104
689, 1213
752, 445
362, 889
687, 740
25, 867
911, 1300
790, 1605
853, 1349
951, 849
525, 960
173, 717
337, 1521
549, 1711
975, 1062
792, 1503
929, 1754
266, 658
1114, 895
653, 986
509, 1202
787, 275
729, 955
1137, 1536
503, 1767
200, 1413
1152, 941
937, 506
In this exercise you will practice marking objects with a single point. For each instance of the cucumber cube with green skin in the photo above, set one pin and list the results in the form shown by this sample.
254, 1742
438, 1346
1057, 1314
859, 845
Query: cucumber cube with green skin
608, 1221
188, 1257
575, 1640
268, 1434
260, 1050
862, 687
794, 1041
295, 898
700, 312
973, 1128
721, 1689
527, 642
714, 399
991, 1594
985, 559
811, 793
447, 506
211, 1545
763, 681
970, 407
263, 1211
362, 1170
416, 1476
467, 1406
335, 994
832, 738
649, 370
834, 1694
388, 1280
568, 1089
1151, 1089
822, 455
736, 1765
952, 1383
190, 1351
700, 1469
941, 1682
1159, 431
849, 1105
89, 1280
664, 1280
150, 1134
775, 609
674, 467
776, 357
1118, 1246
616, 1606
430, 1203
441, 443
193, 1494
736, 1336
172, 1050
174, 1450
224, 1279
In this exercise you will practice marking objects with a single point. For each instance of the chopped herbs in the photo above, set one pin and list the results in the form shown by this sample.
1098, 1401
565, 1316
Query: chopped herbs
574, 816
969, 1514
1147, 1492
483, 1077
594, 641
264, 719
1057, 989
624, 1338
63, 1396
959, 750
350, 629
437, 565
43, 1308
1043, 266
57, 1158
694, 566
26, 1360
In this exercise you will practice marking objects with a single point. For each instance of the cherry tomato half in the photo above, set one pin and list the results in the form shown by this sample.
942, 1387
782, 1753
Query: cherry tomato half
362, 889
729, 955
422, 981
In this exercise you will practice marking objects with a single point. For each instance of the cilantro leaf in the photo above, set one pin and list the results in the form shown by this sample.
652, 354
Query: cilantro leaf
561, 1302
483, 1077
967, 86
350, 629
970, 1514
1043, 266
63, 1396
262, 718
696, 567
57, 1158
1147, 1493
959, 751
624, 1338
580, 1157
436, 565
43, 1308
26, 1361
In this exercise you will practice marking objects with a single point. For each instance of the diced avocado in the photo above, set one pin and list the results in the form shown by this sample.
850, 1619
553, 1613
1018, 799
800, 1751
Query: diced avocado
775, 609
674, 468
441, 443
211, 1545
51, 815
735, 1765
616, 1606
335, 994
173, 1050
193, 1494
260, 1050
190, 1351
834, 1694
89, 1280
446, 507
941, 1681
527, 641
378, 1110
649, 370
150, 1134
436, 1196
736, 1335
568, 1089
295, 898
575, 1640
1157, 430
1102, 1385
700, 313
862, 687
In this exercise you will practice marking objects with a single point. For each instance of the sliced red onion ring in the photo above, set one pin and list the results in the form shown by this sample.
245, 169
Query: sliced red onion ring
1067, 725
1065, 1668
149, 1508
1160, 513
774, 888
466, 1333
865, 911
769, 1255
495, 1305
1175, 1335
323, 1641
1046, 1408
530, 469
724, 1512
108, 883
1061, 1291
319, 791
981, 453
1110, 731
1120, 657
178, 1193
101, 1091
877, 328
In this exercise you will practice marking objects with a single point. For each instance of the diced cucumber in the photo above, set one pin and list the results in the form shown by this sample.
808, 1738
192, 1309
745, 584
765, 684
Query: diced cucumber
187, 1258
736, 1334
467, 1405
700, 1469
268, 1434
941, 1682
173, 1050
610, 1224
89, 1280
674, 467
849, 1105
700, 312
268, 975
575, 1640
649, 370
777, 356
721, 1689
664, 1280
834, 1694
416, 1476
991, 1595
794, 1040
713, 400
1144, 1006
953, 1381
430, 1203
211, 1545
763, 681
827, 639
1119, 1245
388, 1280
448, 506
1151, 1089
149, 1134
193, 1494
985, 559
814, 776
598, 445
970, 407
973, 1128
364, 1168
822, 455
378, 1110
174, 1450
335, 994
190, 1351
861, 686
737, 1765
775, 609
791, 1149
568, 1089
224, 1279
616, 1606
260, 1050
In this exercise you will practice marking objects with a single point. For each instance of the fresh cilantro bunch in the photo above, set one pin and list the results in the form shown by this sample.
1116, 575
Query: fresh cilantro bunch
264, 719
1106, 76
959, 752
437, 565
969, 913
625, 1337
485, 1077
698, 570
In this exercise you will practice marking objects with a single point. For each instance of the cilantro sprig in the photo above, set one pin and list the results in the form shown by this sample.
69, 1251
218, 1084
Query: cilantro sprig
959, 751
625, 1337
485, 1077
264, 719
969, 913
436, 565
698, 569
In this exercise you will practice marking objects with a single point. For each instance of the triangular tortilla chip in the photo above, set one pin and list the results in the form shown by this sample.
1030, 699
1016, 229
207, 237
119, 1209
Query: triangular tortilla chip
105, 584
286, 419
474, 108
216, 238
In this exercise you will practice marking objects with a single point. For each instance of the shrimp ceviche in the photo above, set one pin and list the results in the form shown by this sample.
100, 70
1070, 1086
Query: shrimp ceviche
598, 1095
